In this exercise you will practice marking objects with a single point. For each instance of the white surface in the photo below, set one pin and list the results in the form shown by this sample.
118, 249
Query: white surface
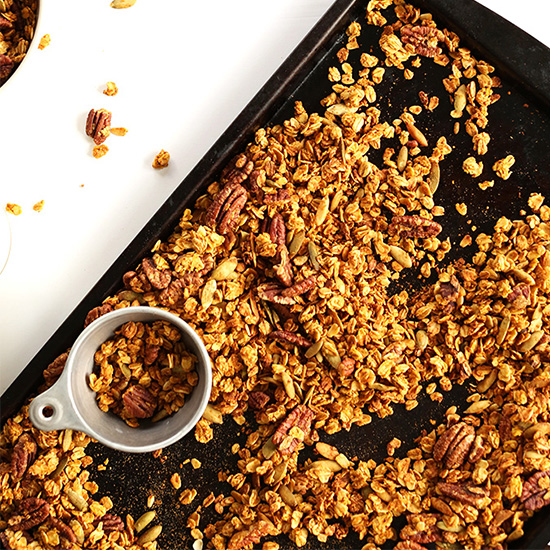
184, 71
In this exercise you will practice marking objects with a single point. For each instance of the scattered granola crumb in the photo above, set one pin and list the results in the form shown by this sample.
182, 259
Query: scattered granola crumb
150, 501
188, 496
461, 208
122, 4
119, 131
44, 42
392, 446
175, 480
14, 209
161, 160
111, 89
196, 463
472, 167
535, 201
38, 206
466, 241
484, 185
502, 167
100, 151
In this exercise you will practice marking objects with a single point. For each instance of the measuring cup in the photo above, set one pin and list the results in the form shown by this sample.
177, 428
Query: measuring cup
71, 404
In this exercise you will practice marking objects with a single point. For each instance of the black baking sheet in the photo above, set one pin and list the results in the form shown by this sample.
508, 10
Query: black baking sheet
519, 125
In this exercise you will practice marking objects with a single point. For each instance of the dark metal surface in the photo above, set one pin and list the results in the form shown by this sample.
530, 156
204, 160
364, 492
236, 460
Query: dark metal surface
519, 125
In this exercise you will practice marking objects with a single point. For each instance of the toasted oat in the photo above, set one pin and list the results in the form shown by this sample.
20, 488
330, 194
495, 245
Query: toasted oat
461, 208
484, 185
44, 42
14, 209
161, 160
502, 167
110, 89
100, 151
472, 167
119, 131
38, 206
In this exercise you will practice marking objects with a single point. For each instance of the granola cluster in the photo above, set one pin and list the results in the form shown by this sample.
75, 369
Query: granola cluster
17, 24
284, 268
144, 371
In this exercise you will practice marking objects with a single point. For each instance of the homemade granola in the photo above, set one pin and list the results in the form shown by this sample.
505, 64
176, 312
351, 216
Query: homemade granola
283, 268
144, 371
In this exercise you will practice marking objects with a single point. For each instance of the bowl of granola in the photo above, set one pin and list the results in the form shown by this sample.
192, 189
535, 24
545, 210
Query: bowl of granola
18, 26
137, 379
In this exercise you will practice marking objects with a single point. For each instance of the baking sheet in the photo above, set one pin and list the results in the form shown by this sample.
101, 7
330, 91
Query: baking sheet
519, 125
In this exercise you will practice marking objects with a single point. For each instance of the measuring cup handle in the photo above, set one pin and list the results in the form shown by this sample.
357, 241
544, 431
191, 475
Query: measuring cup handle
52, 409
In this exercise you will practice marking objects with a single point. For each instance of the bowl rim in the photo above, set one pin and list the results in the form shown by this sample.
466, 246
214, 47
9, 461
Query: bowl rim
31, 49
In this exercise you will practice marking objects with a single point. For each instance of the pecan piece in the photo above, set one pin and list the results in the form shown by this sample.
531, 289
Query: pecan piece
257, 400
293, 429
414, 226
5, 25
273, 292
429, 532
54, 369
98, 125
237, 170
175, 291
467, 494
137, 282
535, 494
64, 530
283, 270
290, 338
520, 296
139, 402
346, 367
111, 522
23, 455
454, 444
96, 313
6, 66
301, 287
159, 278
279, 197
223, 213
424, 40
4, 543
32, 512
150, 354
248, 537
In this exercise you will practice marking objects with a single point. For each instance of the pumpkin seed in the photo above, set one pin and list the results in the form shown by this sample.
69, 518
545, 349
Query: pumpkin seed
434, 177
150, 535
523, 276
296, 242
212, 415
400, 256
76, 500
478, 406
416, 134
327, 465
288, 385
503, 329
144, 520
280, 472
288, 496
322, 211
126, 371
532, 341
122, 4
161, 415
67, 440
269, 448
487, 382
539, 427
454, 529
460, 100
402, 158
314, 349
313, 255
60, 467
207, 294
130, 296
336, 200
326, 450
224, 269
338, 109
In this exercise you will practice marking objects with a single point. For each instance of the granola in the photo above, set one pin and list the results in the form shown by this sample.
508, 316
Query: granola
283, 268
144, 371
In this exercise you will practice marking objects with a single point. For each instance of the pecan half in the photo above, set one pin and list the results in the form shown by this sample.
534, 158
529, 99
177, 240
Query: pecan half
150, 354
223, 213
504, 428
111, 522
467, 494
301, 287
96, 313
414, 226
346, 367
175, 291
5, 25
23, 455
520, 296
283, 270
248, 537
276, 228
159, 278
55, 368
4, 543
64, 530
273, 292
32, 512
454, 444
6, 66
238, 169
139, 402
423, 39
98, 125
535, 494
293, 429
257, 400
290, 338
